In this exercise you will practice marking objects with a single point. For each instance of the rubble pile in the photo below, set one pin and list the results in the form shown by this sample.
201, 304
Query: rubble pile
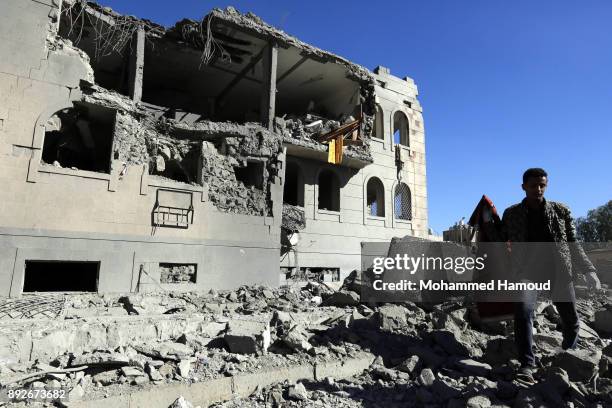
294, 218
302, 130
422, 354
202, 152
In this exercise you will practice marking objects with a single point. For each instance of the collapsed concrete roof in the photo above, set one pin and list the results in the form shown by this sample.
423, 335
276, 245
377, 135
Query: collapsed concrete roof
226, 47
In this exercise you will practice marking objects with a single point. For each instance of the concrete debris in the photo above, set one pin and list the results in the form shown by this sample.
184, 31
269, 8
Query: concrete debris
426, 351
294, 218
581, 365
247, 337
342, 298
297, 392
181, 402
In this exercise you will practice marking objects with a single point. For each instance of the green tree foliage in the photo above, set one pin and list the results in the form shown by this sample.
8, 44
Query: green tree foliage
597, 225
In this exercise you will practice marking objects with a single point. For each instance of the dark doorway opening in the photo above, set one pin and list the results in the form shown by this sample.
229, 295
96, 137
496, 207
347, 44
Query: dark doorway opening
61, 276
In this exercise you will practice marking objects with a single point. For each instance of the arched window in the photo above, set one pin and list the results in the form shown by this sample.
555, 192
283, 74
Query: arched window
400, 129
329, 191
293, 190
402, 202
379, 131
375, 196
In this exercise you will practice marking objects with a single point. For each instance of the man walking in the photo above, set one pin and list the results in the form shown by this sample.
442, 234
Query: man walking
538, 221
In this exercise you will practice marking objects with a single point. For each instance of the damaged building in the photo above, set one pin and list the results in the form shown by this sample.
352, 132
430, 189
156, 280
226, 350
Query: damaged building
214, 153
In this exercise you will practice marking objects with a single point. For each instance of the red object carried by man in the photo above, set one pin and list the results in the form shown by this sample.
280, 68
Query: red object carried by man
487, 222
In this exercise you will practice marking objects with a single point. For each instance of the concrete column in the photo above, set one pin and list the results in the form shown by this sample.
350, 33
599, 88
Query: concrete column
136, 67
268, 94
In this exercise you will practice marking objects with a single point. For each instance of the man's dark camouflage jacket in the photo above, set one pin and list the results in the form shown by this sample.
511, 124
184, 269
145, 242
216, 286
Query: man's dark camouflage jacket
569, 257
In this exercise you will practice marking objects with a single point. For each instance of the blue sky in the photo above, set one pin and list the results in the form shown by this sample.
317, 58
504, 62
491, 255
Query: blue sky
504, 85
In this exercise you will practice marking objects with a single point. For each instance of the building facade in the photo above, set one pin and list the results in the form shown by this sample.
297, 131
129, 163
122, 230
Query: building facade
135, 157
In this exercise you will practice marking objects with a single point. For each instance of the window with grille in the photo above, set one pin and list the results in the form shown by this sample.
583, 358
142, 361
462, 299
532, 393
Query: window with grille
402, 202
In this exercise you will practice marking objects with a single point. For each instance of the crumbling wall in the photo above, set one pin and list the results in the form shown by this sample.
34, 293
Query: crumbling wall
200, 153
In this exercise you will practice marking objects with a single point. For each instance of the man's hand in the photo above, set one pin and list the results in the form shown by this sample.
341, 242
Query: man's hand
592, 281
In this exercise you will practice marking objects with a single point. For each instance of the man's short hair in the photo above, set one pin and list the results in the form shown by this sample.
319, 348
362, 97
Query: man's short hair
534, 172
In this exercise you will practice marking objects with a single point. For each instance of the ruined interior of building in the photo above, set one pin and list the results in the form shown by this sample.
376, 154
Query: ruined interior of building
217, 70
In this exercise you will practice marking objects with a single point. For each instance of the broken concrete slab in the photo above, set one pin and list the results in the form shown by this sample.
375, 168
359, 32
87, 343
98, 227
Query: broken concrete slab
247, 337
342, 298
580, 365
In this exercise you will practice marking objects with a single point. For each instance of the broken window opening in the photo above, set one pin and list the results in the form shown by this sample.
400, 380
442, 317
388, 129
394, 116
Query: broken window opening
403, 202
61, 276
176, 160
175, 78
400, 129
314, 97
379, 132
107, 43
375, 197
329, 191
316, 274
293, 189
177, 272
251, 175
80, 138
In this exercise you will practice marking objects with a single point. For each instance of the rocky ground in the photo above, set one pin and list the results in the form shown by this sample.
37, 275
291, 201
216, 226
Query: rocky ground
423, 354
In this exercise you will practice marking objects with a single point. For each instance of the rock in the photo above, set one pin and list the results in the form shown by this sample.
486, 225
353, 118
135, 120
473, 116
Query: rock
76, 393
424, 395
581, 365
132, 371
247, 337
478, 401
505, 390
140, 380
391, 317
194, 341
342, 298
409, 365
297, 339
385, 373
184, 367
181, 402
427, 377
154, 375
558, 380
212, 329
167, 370
100, 358
297, 392
450, 343
427, 356
106, 377
444, 391
528, 398
473, 367
160, 164
548, 341
166, 351
603, 321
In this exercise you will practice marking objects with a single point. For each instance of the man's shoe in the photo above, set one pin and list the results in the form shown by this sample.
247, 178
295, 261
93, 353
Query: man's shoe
526, 373
571, 343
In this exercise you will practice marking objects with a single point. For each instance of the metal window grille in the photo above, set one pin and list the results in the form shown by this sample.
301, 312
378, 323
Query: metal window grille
403, 202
